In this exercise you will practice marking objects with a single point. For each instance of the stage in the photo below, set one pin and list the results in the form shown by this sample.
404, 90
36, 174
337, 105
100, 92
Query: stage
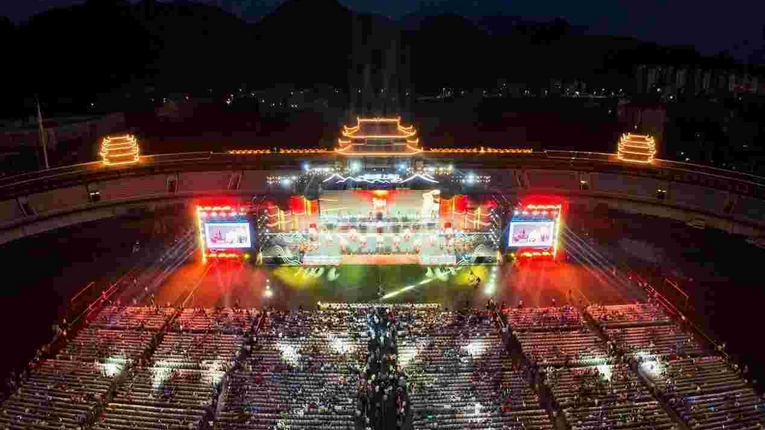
379, 227
428, 248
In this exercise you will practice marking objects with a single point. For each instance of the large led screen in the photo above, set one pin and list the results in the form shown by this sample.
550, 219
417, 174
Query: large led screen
227, 235
532, 234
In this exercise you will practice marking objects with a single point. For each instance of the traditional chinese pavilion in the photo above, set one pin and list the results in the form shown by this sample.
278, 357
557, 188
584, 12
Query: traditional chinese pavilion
379, 136
637, 148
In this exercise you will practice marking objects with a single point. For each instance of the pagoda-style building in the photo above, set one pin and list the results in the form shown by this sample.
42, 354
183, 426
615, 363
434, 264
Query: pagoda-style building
379, 136
120, 150
637, 148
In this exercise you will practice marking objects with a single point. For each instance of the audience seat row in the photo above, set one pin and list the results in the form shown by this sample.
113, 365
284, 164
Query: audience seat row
606, 396
706, 392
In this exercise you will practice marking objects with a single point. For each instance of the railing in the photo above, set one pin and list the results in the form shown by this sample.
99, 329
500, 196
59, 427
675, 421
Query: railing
674, 311
715, 171
25, 183
579, 155
81, 292
679, 290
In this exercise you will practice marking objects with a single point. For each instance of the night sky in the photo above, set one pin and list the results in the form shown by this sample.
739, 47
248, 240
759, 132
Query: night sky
711, 26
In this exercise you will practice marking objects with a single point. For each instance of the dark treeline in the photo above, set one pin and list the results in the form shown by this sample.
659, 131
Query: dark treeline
118, 47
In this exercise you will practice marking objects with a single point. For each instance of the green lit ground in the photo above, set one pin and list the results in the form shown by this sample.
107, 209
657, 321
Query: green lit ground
222, 284
345, 283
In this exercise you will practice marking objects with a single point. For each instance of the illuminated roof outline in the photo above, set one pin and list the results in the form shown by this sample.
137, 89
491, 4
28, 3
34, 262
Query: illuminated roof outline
399, 139
381, 179
482, 150
120, 150
636, 148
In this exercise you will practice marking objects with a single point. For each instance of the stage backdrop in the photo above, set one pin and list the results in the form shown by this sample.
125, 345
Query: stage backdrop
379, 204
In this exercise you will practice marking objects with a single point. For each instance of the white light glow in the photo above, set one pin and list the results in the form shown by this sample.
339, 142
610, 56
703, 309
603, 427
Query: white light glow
339, 345
112, 367
650, 364
212, 377
161, 373
605, 371
289, 353
653, 369
490, 287
475, 348
405, 356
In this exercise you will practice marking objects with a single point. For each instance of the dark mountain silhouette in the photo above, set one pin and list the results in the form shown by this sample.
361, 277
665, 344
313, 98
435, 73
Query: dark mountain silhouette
447, 51
82, 49
103, 45
194, 45
304, 42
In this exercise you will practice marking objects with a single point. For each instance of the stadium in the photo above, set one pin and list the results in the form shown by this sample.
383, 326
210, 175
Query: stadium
378, 284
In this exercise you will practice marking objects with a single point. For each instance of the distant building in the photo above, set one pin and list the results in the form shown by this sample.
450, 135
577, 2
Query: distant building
707, 82
680, 78
644, 118
669, 79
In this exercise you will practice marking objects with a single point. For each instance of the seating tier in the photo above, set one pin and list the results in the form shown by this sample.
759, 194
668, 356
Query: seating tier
606, 396
642, 314
580, 347
706, 392
58, 394
655, 341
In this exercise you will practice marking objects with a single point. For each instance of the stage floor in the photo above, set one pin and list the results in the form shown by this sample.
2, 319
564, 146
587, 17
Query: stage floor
223, 283
390, 248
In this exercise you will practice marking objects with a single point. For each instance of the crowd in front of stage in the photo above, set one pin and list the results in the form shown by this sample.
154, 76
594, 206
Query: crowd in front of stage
382, 387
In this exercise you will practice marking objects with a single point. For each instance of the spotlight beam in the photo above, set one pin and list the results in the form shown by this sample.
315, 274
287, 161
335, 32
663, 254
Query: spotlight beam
586, 246
407, 288
597, 262
188, 251
582, 255
604, 262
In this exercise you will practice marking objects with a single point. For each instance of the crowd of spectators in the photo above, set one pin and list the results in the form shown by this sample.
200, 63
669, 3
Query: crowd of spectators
178, 383
584, 372
56, 394
556, 317
382, 388
707, 392
555, 336
605, 396
638, 314
301, 372
372, 366
643, 330
459, 372
131, 368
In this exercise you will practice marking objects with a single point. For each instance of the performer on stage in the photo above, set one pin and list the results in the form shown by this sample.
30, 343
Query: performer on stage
343, 245
397, 242
475, 281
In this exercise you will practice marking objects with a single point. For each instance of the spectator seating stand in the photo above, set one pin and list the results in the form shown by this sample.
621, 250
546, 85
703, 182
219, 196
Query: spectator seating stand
460, 374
